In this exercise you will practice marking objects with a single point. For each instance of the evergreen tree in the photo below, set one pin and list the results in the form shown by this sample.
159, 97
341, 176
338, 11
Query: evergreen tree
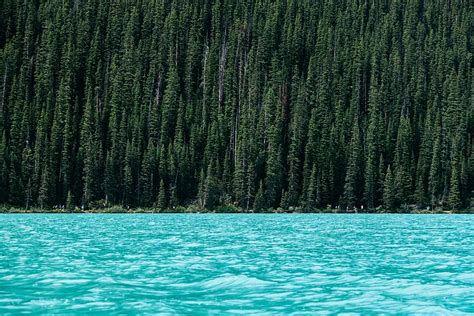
211, 194
259, 203
274, 175
403, 159
353, 169
3, 170
389, 190
373, 134
161, 201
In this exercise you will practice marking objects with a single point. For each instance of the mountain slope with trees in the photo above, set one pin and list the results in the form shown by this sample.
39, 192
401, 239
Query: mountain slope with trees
260, 104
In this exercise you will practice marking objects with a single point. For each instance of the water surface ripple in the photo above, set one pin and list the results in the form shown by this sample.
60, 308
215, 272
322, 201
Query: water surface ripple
233, 263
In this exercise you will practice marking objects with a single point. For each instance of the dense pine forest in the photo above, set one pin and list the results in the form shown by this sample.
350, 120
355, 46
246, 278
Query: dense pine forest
254, 105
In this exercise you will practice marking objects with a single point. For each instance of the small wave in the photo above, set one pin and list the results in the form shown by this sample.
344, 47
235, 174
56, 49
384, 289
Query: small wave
234, 281
93, 305
56, 282
107, 280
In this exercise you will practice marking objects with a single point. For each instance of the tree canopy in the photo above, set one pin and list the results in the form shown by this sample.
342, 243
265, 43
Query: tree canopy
257, 103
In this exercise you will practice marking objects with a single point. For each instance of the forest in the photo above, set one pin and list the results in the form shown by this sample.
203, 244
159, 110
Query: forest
251, 105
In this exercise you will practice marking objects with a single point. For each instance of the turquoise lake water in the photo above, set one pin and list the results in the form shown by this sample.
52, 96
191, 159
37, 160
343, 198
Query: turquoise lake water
232, 263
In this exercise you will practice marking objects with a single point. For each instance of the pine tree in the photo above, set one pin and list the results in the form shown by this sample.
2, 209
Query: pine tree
3, 170
311, 196
454, 198
403, 158
211, 187
353, 169
128, 183
296, 154
259, 203
370, 194
147, 176
69, 202
161, 201
389, 190
28, 166
44, 190
274, 175
435, 166
170, 102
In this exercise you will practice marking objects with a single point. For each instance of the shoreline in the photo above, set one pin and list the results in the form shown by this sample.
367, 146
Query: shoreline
152, 211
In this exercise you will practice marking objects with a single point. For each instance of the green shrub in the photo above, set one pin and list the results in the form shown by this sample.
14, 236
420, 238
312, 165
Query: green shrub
228, 208
115, 209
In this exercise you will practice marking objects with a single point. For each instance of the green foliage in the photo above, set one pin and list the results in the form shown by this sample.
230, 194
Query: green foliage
114, 209
259, 203
301, 104
69, 202
352, 183
389, 190
161, 201
226, 209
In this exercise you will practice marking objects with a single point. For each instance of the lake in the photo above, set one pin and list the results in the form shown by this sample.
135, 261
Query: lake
236, 263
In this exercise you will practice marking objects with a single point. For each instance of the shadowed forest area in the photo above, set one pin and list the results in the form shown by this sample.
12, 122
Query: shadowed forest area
252, 104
